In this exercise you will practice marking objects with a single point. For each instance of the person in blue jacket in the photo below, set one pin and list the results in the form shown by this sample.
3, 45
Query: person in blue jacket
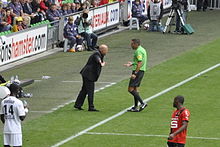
52, 13
137, 11
71, 33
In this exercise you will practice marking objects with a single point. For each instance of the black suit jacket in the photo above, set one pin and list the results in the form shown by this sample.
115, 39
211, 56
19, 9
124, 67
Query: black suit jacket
92, 69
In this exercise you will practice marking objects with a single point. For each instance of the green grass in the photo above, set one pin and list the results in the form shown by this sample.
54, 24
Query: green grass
188, 55
202, 99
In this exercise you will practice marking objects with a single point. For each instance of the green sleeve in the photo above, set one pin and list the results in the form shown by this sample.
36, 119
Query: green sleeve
139, 56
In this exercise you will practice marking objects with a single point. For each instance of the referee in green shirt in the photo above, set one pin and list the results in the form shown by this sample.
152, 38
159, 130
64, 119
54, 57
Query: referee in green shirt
139, 66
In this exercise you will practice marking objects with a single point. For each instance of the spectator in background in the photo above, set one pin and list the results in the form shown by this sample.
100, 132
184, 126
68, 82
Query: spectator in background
87, 4
28, 10
137, 12
64, 10
71, 33
69, 10
19, 25
40, 15
7, 17
4, 25
52, 13
202, 4
52, 1
103, 2
95, 3
44, 5
155, 13
16, 7
85, 30
78, 6
111, 1
73, 7
26, 6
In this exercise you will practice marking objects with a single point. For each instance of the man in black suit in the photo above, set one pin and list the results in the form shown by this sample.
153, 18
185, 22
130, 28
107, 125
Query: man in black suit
90, 74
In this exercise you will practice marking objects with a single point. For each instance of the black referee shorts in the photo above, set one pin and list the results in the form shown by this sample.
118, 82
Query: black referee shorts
137, 81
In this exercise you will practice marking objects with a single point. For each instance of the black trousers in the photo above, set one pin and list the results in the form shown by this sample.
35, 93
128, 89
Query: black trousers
88, 88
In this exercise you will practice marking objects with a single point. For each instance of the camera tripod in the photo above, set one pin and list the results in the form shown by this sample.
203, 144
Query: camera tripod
171, 16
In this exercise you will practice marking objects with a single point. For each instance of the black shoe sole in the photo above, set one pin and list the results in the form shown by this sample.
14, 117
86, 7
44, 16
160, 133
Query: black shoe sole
132, 111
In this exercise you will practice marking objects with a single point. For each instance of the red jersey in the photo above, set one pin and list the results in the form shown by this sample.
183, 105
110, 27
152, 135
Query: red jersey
177, 119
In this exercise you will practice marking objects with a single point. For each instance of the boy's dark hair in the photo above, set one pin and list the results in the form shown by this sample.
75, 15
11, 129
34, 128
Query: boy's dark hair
14, 88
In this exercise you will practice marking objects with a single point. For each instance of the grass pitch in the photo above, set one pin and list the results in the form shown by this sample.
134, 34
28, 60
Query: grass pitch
202, 94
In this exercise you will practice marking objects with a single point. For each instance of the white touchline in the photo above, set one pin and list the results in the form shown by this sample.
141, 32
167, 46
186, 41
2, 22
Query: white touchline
41, 111
149, 135
125, 110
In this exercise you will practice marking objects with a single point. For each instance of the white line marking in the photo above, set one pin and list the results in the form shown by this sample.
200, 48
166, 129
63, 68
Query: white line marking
81, 82
149, 135
41, 111
125, 110
62, 105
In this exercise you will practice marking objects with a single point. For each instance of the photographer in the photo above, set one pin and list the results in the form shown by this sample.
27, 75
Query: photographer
155, 13
183, 6
85, 30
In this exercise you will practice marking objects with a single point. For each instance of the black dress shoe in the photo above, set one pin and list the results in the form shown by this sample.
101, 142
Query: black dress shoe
79, 108
93, 109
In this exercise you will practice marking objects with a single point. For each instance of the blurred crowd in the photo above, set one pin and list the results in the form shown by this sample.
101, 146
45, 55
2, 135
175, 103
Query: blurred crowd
16, 15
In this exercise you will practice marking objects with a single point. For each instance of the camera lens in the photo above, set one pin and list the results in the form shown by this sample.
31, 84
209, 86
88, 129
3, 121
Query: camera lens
85, 15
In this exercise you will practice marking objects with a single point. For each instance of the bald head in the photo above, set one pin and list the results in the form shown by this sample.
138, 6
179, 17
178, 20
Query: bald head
103, 49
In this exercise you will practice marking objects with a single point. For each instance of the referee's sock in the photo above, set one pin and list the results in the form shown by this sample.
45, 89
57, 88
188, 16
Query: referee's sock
135, 102
137, 96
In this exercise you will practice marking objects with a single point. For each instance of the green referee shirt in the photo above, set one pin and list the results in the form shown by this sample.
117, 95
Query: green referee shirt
140, 55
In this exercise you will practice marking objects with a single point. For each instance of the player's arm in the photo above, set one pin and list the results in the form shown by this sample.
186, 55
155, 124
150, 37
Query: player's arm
138, 67
98, 60
21, 111
183, 127
3, 118
129, 64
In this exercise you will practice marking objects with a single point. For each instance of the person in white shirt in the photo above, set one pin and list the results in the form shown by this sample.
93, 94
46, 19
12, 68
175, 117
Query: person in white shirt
12, 112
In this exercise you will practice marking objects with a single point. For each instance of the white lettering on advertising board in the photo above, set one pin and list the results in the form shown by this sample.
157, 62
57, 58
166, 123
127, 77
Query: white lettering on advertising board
23, 44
